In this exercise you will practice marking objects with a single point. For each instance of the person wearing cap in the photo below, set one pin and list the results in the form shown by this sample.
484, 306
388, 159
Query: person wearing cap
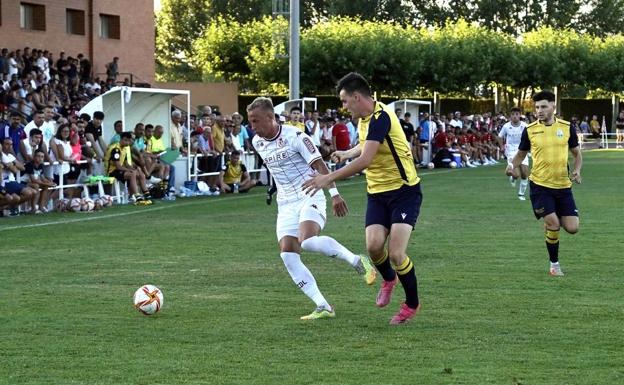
457, 121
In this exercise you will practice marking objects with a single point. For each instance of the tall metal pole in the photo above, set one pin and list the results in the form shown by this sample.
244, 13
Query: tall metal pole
293, 77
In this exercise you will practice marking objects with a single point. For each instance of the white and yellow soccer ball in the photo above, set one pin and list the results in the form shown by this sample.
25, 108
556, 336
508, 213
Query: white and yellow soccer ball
430, 165
453, 164
148, 299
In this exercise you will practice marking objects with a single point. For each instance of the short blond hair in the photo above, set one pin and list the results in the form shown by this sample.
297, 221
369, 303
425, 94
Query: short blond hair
262, 103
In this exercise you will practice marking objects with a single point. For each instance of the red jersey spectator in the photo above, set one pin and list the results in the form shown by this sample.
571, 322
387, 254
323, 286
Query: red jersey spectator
340, 136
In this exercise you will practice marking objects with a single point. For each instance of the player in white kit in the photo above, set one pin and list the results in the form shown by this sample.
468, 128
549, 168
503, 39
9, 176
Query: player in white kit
292, 158
511, 134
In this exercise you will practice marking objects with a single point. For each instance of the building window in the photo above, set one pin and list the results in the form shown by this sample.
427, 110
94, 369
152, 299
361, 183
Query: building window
109, 26
32, 16
75, 19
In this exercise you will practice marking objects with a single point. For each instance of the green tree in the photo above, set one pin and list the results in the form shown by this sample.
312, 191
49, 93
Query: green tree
605, 18
178, 24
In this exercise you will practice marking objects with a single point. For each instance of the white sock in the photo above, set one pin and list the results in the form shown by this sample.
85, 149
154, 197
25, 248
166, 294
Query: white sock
523, 186
303, 278
554, 264
331, 248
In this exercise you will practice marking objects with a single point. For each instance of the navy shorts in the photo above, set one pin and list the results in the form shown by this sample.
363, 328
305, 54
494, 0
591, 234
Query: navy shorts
396, 206
547, 200
117, 174
14, 187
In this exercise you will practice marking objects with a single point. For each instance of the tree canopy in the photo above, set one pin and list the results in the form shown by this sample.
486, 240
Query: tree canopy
414, 49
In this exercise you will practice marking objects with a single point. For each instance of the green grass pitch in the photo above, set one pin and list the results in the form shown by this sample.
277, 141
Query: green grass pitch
490, 312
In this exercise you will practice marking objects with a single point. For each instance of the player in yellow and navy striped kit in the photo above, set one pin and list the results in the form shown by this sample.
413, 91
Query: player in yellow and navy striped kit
549, 140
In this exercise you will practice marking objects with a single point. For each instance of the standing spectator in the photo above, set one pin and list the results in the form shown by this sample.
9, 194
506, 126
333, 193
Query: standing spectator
175, 131
112, 70
353, 134
340, 138
209, 162
14, 130
295, 118
456, 120
594, 125
240, 132
619, 130
85, 68
313, 128
410, 133
62, 66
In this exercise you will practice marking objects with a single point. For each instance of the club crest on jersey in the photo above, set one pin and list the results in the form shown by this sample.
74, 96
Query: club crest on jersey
281, 142
309, 145
559, 133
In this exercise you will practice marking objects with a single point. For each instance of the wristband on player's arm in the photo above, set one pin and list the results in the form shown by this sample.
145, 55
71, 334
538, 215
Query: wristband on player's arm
333, 192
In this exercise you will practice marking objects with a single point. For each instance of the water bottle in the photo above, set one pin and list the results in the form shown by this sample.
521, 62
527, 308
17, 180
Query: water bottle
235, 191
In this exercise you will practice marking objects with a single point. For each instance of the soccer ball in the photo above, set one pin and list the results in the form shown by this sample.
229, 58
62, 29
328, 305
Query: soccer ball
453, 164
148, 299
75, 204
431, 165
107, 200
87, 204
62, 204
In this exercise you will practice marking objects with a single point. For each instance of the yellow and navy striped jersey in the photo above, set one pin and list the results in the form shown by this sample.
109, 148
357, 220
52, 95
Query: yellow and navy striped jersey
393, 165
115, 152
549, 146
233, 173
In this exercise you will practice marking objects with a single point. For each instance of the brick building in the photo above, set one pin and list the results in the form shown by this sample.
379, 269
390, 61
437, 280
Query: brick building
99, 29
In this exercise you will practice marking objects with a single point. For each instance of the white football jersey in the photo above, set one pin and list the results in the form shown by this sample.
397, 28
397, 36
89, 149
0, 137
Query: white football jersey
512, 135
288, 157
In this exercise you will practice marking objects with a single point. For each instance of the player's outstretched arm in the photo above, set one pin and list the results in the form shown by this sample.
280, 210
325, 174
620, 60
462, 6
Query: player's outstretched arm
341, 156
369, 150
339, 206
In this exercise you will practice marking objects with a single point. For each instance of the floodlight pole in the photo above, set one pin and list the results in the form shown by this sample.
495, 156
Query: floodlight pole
293, 77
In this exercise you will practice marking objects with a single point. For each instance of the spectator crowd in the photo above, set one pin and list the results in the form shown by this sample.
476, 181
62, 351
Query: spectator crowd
45, 141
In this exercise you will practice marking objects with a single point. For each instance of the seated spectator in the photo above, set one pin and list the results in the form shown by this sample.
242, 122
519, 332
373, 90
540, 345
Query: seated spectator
28, 147
93, 132
61, 152
118, 127
10, 167
148, 162
234, 177
156, 146
78, 154
34, 177
118, 164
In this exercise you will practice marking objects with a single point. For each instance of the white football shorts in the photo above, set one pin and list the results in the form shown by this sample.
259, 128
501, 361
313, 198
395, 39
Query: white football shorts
510, 155
290, 215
